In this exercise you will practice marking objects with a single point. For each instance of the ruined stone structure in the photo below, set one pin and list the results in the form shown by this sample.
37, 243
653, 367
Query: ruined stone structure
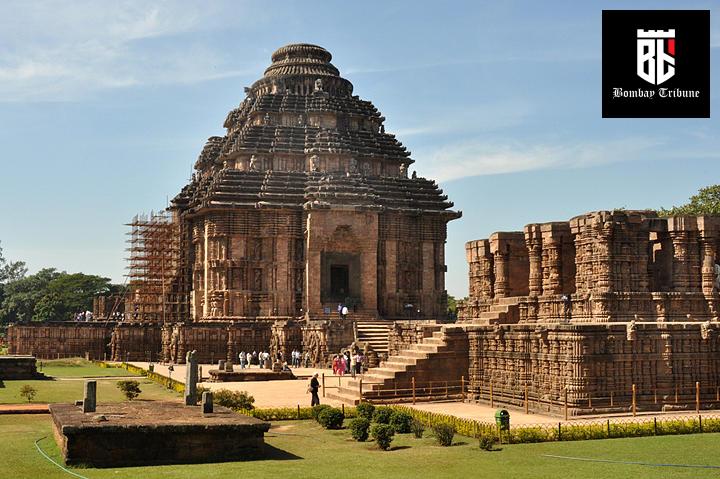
594, 305
304, 203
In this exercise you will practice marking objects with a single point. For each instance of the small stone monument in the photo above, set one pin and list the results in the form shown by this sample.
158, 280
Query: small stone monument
221, 365
228, 366
90, 397
191, 378
207, 402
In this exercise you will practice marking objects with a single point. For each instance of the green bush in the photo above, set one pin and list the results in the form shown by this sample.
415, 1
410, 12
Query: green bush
130, 388
235, 400
382, 434
365, 409
316, 410
444, 433
359, 428
382, 415
400, 421
331, 418
417, 428
487, 442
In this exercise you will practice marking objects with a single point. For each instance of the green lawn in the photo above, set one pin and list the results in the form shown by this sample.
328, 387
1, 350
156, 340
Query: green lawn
67, 384
77, 368
301, 449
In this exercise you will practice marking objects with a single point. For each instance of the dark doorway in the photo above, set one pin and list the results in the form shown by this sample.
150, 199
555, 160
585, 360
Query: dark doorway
339, 280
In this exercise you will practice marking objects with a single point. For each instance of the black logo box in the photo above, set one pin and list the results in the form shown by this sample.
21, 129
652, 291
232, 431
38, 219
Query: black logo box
692, 63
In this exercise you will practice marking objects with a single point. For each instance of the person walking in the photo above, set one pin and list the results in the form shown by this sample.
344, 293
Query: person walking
242, 358
313, 389
249, 359
342, 365
344, 312
353, 365
335, 365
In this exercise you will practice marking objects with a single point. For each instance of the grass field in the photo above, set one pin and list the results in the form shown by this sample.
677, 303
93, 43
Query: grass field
77, 368
67, 383
301, 449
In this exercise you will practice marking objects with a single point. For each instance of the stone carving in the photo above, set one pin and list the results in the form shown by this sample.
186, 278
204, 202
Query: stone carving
403, 170
318, 87
705, 330
631, 333
353, 165
314, 163
253, 164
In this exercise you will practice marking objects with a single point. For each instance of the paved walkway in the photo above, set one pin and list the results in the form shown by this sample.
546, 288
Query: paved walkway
288, 393
24, 409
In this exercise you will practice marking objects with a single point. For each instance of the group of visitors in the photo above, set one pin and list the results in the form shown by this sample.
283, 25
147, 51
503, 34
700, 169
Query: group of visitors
348, 363
253, 359
299, 360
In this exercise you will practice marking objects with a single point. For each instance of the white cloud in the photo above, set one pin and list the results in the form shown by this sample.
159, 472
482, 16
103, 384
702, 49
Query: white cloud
476, 158
59, 50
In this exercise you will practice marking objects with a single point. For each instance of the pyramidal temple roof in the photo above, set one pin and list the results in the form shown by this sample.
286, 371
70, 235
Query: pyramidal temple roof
301, 138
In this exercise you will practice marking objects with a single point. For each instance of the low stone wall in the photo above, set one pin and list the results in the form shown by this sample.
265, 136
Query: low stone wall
239, 375
140, 434
61, 340
597, 364
19, 367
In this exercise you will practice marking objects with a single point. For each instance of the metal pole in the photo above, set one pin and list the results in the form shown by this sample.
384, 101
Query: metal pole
634, 398
566, 404
462, 387
697, 396
611, 399
526, 400
413, 388
492, 404
323, 384
361, 389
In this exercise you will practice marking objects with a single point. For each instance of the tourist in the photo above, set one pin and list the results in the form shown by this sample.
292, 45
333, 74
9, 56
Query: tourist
255, 358
339, 309
242, 358
307, 359
344, 312
353, 365
342, 365
249, 359
358, 362
335, 364
567, 307
313, 389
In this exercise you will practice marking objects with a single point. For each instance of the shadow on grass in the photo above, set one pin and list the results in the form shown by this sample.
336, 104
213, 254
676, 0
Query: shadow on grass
272, 452
399, 448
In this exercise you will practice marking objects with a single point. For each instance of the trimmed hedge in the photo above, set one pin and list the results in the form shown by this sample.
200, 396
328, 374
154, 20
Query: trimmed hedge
400, 421
382, 415
366, 410
444, 434
382, 434
331, 418
359, 428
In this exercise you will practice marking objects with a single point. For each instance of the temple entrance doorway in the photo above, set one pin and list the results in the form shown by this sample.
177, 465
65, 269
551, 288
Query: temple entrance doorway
339, 280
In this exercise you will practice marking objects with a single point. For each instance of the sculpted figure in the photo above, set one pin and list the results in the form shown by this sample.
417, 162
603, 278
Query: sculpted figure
318, 85
314, 163
253, 166
403, 170
353, 165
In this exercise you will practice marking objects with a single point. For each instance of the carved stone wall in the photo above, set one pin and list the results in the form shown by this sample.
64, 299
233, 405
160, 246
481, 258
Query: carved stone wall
61, 340
405, 334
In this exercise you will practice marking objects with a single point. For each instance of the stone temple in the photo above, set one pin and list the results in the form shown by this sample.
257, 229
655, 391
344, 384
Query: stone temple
305, 202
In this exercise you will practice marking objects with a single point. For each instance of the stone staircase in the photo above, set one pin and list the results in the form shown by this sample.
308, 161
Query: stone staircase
441, 358
505, 311
375, 333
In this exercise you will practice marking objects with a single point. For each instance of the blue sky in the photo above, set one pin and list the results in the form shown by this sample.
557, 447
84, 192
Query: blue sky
104, 107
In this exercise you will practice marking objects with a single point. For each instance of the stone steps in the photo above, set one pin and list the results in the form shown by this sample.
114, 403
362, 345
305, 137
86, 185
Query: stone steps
398, 370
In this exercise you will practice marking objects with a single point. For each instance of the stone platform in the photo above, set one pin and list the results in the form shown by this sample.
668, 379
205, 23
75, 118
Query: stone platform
19, 367
218, 376
151, 433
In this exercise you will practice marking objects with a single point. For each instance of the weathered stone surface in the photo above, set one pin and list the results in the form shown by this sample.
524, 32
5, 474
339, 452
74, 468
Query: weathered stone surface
19, 367
607, 300
89, 402
250, 374
140, 433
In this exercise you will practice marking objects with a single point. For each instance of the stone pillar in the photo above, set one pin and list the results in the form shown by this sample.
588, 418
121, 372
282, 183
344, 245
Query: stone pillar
191, 378
680, 263
551, 265
709, 252
533, 240
90, 396
207, 402
501, 274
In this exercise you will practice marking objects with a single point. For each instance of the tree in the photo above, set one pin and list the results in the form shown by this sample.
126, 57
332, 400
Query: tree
9, 271
50, 295
705, 202
22, 295
130, 388
28, 392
